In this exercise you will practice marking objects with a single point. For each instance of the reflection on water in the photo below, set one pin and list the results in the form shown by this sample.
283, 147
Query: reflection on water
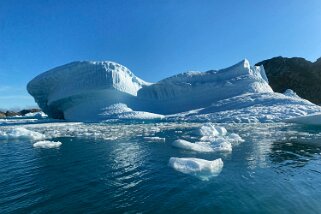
294, 153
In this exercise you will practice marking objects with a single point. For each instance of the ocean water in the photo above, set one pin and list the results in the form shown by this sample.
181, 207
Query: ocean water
123, 168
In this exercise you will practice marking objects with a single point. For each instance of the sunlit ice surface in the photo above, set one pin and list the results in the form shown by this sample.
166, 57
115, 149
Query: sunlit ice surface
125, 167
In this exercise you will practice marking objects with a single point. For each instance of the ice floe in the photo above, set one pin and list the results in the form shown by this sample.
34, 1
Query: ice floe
211, 138
46, 144
200, 168
197, 147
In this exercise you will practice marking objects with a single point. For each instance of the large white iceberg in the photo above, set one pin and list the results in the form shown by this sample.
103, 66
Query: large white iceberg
95, 91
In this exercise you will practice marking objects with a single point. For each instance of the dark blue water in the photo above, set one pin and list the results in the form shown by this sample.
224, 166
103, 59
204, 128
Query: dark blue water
275, 170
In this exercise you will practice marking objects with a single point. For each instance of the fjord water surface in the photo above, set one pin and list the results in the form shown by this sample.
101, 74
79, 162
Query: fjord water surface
114, 168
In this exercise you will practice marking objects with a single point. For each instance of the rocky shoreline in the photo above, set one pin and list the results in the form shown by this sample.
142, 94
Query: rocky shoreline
8, 113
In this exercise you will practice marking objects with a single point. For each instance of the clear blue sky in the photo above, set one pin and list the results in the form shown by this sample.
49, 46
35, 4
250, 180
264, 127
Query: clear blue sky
154, 39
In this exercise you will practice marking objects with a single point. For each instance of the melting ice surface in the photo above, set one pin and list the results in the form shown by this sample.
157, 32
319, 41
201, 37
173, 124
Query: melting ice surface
135, 166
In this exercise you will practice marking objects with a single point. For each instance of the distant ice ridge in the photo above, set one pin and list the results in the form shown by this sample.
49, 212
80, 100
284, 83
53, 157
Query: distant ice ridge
202, 169
97, 91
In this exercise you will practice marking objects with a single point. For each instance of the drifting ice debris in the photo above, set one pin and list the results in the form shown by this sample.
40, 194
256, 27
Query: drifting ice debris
20, 133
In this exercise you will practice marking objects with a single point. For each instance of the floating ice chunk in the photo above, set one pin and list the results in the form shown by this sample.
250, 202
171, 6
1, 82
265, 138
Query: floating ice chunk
21, 133
46, 144
155, 139
235, 138
202, 169
197, 147
209, 130
202, 146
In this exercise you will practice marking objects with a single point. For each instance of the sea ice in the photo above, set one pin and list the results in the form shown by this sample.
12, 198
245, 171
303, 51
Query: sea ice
202, 169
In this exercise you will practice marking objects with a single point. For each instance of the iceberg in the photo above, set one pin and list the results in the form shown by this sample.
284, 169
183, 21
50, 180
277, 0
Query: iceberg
46, 144
200, 168
96, 91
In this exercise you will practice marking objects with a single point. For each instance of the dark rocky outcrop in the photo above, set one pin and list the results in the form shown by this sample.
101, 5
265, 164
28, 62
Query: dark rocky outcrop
26, 111
11, 113
298, 74
2, 114
8, 113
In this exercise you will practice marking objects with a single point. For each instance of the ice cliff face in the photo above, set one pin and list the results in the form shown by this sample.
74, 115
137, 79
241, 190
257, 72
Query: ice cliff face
94, 91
